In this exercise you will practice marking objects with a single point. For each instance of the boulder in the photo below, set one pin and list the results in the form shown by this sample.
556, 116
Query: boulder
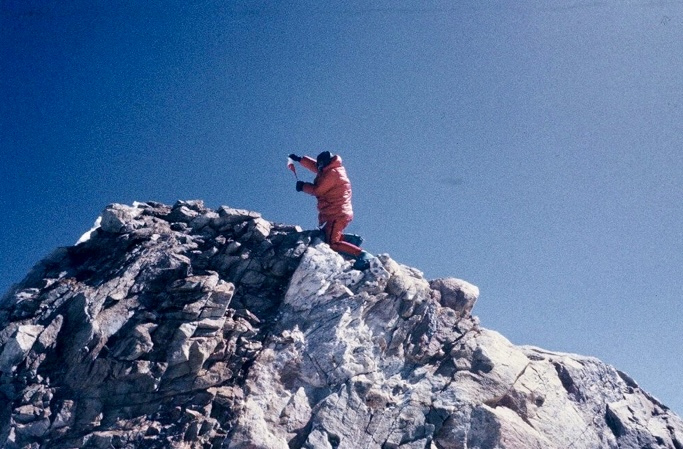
118, 218
456, 294
17, 348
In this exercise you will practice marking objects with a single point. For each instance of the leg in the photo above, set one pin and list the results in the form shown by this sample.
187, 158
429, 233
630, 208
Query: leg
333, 235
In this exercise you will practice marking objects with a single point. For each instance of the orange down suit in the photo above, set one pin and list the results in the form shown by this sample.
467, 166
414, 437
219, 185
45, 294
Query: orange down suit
332, 188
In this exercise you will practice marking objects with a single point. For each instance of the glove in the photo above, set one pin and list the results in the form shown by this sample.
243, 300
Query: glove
299, 186
295, 158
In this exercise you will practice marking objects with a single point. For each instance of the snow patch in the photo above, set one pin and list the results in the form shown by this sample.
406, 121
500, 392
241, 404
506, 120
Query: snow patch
85, 237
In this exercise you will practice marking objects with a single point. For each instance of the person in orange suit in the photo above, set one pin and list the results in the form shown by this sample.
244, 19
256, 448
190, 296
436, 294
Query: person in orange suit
332, 189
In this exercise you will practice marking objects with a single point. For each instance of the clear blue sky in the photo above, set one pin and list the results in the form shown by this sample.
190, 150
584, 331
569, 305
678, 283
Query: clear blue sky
534, 150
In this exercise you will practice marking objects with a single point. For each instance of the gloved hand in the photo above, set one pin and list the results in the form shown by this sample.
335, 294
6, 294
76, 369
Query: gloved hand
299, 186
295, 158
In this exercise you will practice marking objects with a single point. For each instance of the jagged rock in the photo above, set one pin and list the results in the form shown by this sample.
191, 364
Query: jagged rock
118, 218
183, 327
17, 348
457, 294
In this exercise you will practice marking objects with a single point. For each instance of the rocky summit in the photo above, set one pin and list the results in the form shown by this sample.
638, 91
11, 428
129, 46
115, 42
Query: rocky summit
185, 327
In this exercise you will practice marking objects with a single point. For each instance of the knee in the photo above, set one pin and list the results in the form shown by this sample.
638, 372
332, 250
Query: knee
334, 237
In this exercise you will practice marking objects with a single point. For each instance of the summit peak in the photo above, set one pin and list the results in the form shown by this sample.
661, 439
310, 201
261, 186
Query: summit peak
186, 327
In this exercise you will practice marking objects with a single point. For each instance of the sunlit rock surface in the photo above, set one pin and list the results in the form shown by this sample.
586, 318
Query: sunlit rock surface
185, 327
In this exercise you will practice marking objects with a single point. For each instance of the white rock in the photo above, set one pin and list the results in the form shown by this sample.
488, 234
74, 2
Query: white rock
17, 347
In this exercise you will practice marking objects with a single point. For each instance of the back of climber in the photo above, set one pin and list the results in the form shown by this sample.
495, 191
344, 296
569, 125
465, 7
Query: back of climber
332, 189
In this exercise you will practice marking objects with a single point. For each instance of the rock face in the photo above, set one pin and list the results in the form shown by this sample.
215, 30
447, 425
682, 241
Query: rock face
185, 327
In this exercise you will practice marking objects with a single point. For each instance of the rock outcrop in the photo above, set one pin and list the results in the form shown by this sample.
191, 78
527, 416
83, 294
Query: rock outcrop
185, 327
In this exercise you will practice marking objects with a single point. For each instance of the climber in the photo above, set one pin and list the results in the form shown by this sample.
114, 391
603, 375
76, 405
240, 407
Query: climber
332, 188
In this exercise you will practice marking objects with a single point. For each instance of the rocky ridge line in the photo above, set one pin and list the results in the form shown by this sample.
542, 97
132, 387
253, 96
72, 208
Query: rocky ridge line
185, 327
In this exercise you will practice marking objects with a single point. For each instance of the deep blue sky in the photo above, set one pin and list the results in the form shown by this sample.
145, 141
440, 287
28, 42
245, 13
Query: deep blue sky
534, 150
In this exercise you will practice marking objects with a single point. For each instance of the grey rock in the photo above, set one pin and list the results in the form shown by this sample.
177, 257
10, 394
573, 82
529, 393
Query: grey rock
182, 214
137, 344
456, 294
184, 327
17, 347
118, 218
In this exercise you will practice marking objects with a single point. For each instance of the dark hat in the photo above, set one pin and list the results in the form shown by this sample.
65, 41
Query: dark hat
323, 159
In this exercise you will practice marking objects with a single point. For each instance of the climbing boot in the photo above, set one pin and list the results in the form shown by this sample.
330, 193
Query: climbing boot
363, 261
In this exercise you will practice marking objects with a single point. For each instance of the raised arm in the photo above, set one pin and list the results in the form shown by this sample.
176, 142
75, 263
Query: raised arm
309, 163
